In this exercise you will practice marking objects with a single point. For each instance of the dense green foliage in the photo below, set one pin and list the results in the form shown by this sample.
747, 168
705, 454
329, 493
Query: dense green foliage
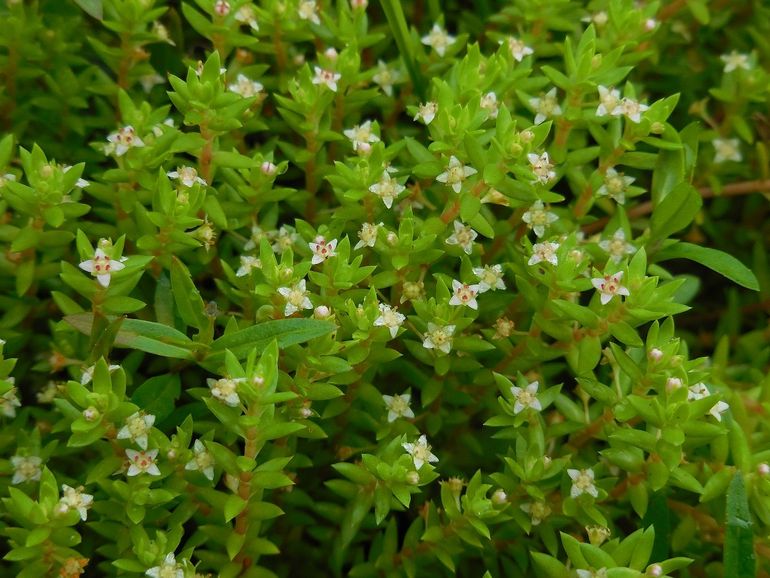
401, 289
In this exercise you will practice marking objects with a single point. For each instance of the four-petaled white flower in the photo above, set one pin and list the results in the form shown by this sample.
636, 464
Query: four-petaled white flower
617, 246
245, 86
438, 39
420, 451
438, 337
600, 573
285, 239
368, 235
697, 391
9, 400
389, 318
387, 188
718, 409
582, 483
322, 249
88, 373
538, 218
361, 134
167, 569
727, 149
464, 294
142, 463
542, 167
609, 286
489, 103
398, 406
102, 267
735, 60
226, 389
545, 106
138, 426
490, 278
124, 139
188, 176
629, 108
247, 15
247, 264
326, 77
609, 99
518, 49
296, 298
386, 77
463, 236
455, 174
75, 499
538, 511
615, 185
202, 460
426, 112
544, 252
26, 469
526, 398
308, 10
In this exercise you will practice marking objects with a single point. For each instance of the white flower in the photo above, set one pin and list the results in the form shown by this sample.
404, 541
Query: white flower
439, 337
697, 391
246, 15
389, 318
538, 511
167, 569
542, 167
9, 401
296, 298
426, 112
88, 373
718, 409
368, 235
101, 267
188, 176
490, 277
582, 483
546, 106
142, 463
138, 425
398, 406
225, 390
361, 134
518, 49
462, 236
544, 252
75, 499
455, 174
386, 77
629, 108
80, 183
245, 86
609, 286
526, 398
247, 264
438, 39
202, 460
5, 178
124, 139
617, 246
538, 218
387, 189
489, 103
326, 77
727, 149
26, 469
322, 250
600, 573
735, 60
308, 11
615, 185
148, 81
609, 99
420, 451
464, 294
285, 238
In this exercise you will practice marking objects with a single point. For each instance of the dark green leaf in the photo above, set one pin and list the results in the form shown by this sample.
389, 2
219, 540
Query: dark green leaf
724, 264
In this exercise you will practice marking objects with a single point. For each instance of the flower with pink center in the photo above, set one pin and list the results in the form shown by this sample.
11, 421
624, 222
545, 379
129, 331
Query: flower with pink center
124, 139
609, 286
101, 267
464, 294
322, 249
328, 78
142, 462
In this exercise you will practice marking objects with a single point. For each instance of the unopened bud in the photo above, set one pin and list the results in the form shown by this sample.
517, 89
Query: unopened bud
655, 354
331, 54
657, 127
655, 570
268, 168
763, 469
46, 171
499, 497
364, 149
91, 414
527, 136
391, 238
413, 478
673, 383
222, 8
322, 312
455, 485
597, 535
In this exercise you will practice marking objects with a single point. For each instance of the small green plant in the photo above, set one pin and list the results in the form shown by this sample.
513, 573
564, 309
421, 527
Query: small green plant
384, 290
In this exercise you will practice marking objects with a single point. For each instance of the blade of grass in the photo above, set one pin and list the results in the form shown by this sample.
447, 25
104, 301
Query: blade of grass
739, 558
397, 22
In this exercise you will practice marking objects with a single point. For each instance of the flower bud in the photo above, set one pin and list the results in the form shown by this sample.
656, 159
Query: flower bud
412, 478
527, 136
763, 469
596, 61
331, 53
222, 8
655, 570
268, 168
364, 149
655, 354
171, 454
455, 485
657, 127
673, 383
391, 238
597, 535
499, 497
46, 171
322, 312
412, 290
91, 414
